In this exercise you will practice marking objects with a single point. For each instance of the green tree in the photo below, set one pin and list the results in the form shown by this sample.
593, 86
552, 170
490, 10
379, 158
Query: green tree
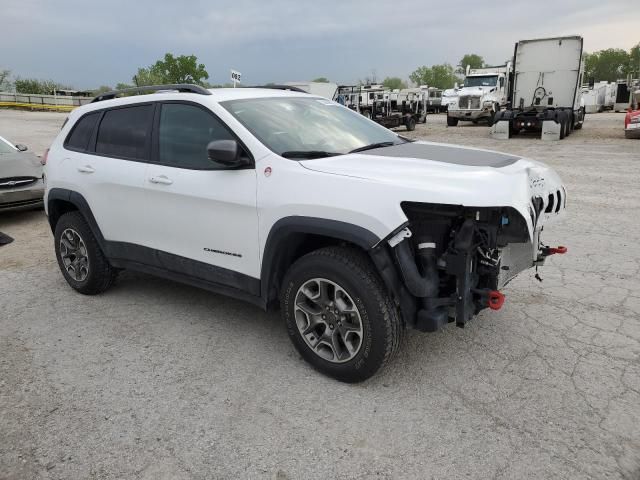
439, 76
634, 61
38, 87
321, 80
473, 60
180, 69
145, 76
5, 80
394, 83
607, 65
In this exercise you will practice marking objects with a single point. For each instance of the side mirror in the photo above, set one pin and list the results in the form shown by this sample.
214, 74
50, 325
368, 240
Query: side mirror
21, 147
226, 152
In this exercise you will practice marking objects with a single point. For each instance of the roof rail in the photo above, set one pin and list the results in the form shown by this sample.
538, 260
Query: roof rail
281, 87
181, 87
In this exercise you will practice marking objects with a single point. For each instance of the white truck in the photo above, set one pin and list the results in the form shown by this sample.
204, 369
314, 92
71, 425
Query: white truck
545, 94
598, 97
483, 94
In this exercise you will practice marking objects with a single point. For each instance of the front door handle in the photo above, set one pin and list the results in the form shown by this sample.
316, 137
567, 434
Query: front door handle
86, 169
161, 179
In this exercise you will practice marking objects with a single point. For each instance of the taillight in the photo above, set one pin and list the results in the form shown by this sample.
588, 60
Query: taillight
43, 159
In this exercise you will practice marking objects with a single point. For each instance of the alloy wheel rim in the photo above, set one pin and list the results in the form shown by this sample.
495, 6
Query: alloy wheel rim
328, 320
73, 253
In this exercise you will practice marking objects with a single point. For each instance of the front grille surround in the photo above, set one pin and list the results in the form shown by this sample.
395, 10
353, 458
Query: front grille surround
469, 102
16, 182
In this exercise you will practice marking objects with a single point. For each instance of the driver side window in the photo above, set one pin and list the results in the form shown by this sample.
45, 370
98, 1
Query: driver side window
184, 133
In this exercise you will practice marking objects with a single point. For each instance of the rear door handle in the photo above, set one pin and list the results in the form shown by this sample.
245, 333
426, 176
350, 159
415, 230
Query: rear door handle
86, 169
161, 179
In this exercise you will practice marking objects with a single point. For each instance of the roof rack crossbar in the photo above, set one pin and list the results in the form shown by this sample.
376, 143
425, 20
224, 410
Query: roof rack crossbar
180, 87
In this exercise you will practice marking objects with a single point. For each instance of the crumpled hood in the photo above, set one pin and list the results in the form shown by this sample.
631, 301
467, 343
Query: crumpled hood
20, 164
446, 174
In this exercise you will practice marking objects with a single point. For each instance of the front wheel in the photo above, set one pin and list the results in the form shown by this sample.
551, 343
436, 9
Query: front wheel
339, 315
451, 122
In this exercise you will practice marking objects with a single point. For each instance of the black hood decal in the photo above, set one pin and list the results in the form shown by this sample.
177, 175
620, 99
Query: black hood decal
446, 154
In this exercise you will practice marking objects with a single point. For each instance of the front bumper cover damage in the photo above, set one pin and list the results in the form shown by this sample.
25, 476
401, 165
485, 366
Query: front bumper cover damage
452, 261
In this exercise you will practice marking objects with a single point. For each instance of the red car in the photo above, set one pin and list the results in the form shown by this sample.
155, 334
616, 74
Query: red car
632, 122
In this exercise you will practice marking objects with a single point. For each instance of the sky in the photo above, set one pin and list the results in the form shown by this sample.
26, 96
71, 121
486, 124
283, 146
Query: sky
86, 43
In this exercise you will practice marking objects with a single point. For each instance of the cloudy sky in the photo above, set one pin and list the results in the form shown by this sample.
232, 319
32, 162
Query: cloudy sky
87, 43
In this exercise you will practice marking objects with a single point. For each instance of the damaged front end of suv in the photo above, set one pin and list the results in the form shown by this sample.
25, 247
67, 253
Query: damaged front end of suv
454, 260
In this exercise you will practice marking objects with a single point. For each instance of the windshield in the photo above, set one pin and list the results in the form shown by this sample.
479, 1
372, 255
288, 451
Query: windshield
307, 124
5, 147
484, 81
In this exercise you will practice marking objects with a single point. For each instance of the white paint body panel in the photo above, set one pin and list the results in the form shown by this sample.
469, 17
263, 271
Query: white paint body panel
235, 210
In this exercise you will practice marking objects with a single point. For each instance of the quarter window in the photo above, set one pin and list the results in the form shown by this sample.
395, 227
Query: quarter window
81, 133
123, 132
185, 132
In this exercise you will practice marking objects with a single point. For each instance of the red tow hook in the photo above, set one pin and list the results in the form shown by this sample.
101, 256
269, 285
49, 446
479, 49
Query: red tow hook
546, 251
495, 299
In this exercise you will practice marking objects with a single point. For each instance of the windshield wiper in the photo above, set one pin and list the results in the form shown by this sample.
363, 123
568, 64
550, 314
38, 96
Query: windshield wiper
372, 146
308, 154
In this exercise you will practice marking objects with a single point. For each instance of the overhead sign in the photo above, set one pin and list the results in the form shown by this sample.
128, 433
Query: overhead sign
235, 77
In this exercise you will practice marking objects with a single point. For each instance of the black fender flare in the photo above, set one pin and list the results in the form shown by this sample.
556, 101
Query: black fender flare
278, 242
81, 204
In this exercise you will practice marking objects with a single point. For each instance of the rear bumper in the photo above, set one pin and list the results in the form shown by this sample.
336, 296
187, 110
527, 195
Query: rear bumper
22, 198
632, 132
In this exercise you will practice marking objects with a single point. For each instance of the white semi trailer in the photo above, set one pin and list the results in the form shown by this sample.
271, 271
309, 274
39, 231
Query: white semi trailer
545, 94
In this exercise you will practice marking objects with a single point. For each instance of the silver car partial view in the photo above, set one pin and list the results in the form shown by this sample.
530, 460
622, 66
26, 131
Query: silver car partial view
21, 182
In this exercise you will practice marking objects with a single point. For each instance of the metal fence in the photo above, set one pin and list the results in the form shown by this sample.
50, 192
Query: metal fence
48, 102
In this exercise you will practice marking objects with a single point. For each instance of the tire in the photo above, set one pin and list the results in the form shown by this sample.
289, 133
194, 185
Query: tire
451, 122
491, 118
87, 270
563, 124
354, 280
571, 122
579, 124
410, 124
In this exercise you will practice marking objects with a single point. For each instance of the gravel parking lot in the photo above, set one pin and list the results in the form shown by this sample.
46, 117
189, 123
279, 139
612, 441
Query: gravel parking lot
156, 380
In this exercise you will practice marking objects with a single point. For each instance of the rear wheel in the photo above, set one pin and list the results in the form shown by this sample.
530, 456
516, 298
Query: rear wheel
580, 121
338, 314
83, 265
451, 122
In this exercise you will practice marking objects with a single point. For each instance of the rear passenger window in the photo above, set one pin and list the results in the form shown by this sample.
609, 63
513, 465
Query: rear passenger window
80, 136
185, 132
123, 132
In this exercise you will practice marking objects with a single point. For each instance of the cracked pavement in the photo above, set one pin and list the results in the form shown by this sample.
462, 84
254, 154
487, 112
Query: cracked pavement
156, 380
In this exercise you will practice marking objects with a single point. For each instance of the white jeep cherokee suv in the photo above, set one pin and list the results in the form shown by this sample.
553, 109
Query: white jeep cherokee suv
275, 196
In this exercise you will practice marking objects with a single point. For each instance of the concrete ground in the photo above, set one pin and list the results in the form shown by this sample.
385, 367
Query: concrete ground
156, 380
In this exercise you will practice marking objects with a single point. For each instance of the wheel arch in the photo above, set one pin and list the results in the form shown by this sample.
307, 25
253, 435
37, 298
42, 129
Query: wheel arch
292, 237
61, 201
